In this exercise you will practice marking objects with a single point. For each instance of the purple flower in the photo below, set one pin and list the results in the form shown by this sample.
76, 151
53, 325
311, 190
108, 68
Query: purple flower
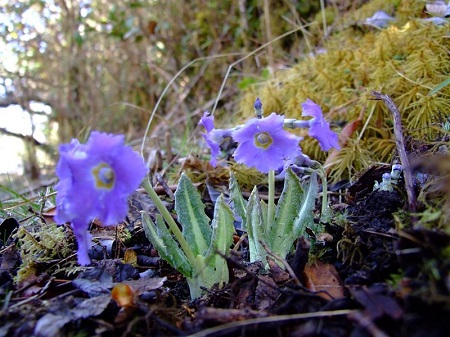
95, 181
319, 127
297, 164
213, 136
264, 144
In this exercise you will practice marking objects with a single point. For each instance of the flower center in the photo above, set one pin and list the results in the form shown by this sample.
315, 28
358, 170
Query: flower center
263, 140
104, 176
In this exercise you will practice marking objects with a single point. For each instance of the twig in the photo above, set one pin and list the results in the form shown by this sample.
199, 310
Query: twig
228, 327
283, 261
367, 324
147, 129
219, 94
400, 142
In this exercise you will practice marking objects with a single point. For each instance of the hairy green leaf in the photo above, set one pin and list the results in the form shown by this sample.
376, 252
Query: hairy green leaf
165, 244
222, 238
305, 215
254, 227
282, 235
239, 203
191, 214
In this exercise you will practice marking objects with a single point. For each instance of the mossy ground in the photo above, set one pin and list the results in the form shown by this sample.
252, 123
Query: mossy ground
405, 60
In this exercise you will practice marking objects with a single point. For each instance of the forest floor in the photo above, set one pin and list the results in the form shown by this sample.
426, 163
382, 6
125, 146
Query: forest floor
370, 276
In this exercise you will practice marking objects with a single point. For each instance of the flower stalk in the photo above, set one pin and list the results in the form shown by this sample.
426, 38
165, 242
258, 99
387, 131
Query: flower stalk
271, 198
169, 220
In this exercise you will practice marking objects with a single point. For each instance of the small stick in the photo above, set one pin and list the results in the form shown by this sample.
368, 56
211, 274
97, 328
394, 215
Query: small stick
283, 261
400, 142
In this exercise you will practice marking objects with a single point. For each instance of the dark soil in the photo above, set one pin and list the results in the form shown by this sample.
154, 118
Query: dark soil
392, 281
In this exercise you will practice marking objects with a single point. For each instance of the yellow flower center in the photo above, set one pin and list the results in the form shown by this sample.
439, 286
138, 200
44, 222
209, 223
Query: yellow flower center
104, 176
263, 140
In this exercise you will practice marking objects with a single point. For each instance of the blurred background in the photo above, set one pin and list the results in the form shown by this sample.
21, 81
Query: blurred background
71, 66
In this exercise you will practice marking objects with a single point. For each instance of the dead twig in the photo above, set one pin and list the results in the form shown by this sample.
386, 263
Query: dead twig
228, 327
400, 142
283, 261
367, 324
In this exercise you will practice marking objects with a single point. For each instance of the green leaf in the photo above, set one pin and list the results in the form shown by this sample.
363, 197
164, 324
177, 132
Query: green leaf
439, 86
191, 214
212, 268
221, 240
222, 227
254, 227
239, 203
165, 244
282, 235
305, 215
246, 82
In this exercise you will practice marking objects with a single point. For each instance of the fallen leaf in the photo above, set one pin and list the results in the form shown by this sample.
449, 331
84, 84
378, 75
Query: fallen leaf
130, 257
7, 227
344, 136
323, 278
377, 301
123, 295
94, 287
145, 284
49, 215
51, 325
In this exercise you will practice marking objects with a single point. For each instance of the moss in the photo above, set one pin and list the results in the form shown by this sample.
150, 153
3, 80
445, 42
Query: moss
405, 60
45, 245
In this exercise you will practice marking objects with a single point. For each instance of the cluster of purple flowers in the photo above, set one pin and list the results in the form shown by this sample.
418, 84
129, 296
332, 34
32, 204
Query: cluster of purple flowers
263, 142
95, 181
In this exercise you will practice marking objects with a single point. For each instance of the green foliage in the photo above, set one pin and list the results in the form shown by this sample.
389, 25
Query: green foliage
191, 214
294, 213
164, 243
198, 251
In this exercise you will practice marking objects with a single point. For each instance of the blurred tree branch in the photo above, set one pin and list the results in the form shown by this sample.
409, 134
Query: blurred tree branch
30, 140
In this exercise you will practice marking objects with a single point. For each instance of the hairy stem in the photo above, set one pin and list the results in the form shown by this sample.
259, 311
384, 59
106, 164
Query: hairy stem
169, 220
271, 200
323, 177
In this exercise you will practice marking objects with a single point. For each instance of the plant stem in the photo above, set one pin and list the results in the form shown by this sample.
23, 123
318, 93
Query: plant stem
271, 200
169, 220
323, 177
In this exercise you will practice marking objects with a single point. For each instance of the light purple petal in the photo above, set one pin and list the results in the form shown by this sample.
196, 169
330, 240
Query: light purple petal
213, 136
84, 239
215, 148
311, 109
282, 144
319, 127
84, 193
207, 121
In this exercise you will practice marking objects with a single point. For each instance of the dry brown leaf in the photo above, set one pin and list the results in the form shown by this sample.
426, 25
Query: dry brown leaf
344, 136
324, 278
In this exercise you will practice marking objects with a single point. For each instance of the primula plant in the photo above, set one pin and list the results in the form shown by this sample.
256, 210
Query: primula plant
96, 179
263, 143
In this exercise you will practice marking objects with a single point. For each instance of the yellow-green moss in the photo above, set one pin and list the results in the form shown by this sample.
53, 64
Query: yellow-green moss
48, 243
405, 61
